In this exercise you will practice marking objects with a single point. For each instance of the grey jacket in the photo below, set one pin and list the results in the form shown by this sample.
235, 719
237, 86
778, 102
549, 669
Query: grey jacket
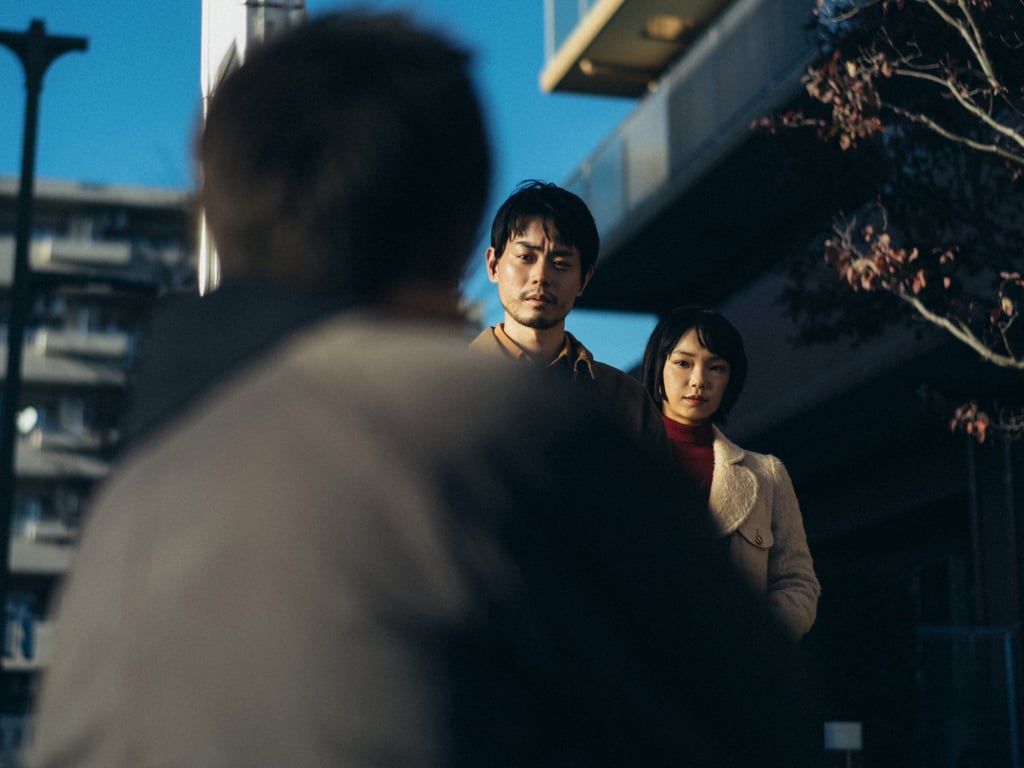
368, 547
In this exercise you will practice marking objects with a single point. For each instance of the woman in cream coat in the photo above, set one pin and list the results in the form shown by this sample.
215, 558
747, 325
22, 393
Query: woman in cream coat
694, 367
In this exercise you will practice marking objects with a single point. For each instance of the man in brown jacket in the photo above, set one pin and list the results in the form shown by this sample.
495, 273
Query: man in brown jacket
544, 246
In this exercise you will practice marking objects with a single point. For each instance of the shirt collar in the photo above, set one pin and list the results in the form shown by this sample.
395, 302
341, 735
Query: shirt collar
580, 357
573, 355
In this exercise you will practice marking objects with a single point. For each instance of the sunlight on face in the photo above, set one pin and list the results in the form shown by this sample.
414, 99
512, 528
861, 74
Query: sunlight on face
539, 278
695, 380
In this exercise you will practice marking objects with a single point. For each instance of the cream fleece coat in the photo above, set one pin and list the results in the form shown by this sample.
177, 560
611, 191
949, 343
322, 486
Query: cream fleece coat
753, 502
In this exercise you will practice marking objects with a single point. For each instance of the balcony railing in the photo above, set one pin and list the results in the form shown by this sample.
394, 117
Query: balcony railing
109, 345
748, 62
91, 253
63, 252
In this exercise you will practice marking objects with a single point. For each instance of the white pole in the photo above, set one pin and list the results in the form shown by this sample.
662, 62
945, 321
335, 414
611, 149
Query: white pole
229, 27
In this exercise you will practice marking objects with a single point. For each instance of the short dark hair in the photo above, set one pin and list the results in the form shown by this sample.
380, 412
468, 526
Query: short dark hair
345, 157
715, 332
564, 210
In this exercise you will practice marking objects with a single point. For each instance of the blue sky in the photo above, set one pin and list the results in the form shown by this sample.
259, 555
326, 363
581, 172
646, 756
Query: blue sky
125, 111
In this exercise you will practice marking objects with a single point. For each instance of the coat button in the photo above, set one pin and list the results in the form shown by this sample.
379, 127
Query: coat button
758, 540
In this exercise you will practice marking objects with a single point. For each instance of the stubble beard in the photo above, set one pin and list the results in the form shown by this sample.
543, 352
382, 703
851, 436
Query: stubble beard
537, 322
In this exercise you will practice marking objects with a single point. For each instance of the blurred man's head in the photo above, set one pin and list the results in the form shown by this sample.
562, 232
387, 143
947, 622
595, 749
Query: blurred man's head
347, 158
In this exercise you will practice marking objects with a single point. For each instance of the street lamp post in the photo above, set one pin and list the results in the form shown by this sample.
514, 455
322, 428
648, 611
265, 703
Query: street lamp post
37, 51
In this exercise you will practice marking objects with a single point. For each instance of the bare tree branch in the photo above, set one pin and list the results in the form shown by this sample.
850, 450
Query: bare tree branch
965, 56
961, 332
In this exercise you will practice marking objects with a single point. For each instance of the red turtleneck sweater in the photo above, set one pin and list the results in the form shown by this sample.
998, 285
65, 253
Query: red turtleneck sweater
691, 444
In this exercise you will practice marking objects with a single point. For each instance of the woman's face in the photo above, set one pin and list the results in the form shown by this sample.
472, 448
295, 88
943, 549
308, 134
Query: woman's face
695, 380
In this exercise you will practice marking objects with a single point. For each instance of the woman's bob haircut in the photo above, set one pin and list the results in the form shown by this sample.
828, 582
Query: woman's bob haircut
715, 332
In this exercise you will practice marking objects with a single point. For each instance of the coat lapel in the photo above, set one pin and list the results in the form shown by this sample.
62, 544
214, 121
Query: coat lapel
733, 486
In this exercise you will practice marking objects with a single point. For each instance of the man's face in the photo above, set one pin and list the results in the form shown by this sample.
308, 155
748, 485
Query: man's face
539, 277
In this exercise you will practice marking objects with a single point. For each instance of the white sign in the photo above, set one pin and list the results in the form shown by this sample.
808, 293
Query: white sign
843, 736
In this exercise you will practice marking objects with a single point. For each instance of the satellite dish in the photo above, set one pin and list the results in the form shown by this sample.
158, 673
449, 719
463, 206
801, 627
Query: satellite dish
27, 419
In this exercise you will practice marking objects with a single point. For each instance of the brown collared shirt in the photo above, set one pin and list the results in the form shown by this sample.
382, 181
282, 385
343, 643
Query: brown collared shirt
573, 356
624, 396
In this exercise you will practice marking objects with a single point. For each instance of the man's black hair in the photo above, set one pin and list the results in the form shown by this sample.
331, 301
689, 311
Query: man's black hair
558, 207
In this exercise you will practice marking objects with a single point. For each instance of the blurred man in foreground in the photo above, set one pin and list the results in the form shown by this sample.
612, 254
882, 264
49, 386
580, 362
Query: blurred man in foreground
341, 539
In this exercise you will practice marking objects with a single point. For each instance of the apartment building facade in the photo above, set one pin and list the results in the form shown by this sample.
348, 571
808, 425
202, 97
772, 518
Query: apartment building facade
99, 256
